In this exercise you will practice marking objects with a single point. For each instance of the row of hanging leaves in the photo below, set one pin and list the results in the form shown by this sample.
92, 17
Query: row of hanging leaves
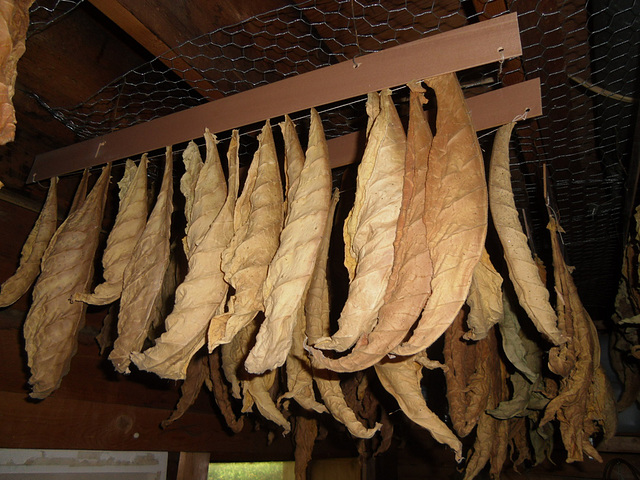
418, 269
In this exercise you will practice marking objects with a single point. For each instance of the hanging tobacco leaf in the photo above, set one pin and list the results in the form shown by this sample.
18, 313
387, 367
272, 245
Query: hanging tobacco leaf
53, 322
200, 296
484, 300
409, 282
143, 276
221, 393
32, 251
209, 195
306, 432
255, 388
455, 214
468, 365
401, 378
197, 372
523, 271
584, 403
14, 21
318, 325
292, 266
293, 159
81, 192
257, 223
492, 435
127, 229
370, 228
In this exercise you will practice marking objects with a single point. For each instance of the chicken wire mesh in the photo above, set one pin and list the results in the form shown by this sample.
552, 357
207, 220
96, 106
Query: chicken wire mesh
585, 53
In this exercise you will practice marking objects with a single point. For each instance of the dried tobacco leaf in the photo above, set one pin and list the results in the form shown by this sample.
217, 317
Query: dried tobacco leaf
127, 229
81, 192
257, 223
485, 299
306, 432
255, 388
318, 325
298, 368
31, 255
455, 215
53, 322
409, 283
370, 228
293, 158
292, 266
583, 404
209, 195
107, 334
14, 23
523, 271
513, 344
192, 167
166, 297
143, 276
401, 378
468, 365
200, 296
492, 435
221, 393
197, 372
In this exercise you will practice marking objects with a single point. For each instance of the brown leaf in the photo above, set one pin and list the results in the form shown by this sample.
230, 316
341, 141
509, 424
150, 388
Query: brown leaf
14, 23
409, 283
492, 435
298, 368
127, 229
257, 223
401, 378
455, 214
221, 393
143, 275
293, 158
484, 300
306, 432
523, 271
255, 388
200, 296
370, 228
317, 325
197, 372
53, 322
468, 366
107, 334
81, 192
584, 403
292, 266
192, 167
31, 255
209, 195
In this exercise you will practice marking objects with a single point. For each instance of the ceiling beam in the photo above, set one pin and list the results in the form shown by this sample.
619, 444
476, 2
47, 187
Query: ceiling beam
128, 22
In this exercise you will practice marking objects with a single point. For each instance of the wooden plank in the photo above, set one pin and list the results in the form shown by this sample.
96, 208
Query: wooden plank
193, 466
514, 102
447, 52
122, 17
76, 424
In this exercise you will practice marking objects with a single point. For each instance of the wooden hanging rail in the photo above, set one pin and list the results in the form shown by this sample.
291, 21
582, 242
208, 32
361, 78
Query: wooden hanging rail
478, 44
489, 110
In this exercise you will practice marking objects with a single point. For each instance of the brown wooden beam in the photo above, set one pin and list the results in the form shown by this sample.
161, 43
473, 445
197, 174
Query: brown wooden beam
128, 22
76, 424
466, 47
